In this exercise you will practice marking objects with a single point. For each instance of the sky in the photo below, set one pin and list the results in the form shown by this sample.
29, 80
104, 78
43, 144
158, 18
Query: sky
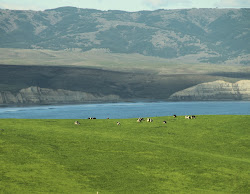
126, 5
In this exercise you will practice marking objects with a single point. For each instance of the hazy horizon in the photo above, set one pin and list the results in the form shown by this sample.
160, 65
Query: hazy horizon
129, 5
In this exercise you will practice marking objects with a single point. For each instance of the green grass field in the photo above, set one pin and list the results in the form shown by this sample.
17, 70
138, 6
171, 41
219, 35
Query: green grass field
209, 154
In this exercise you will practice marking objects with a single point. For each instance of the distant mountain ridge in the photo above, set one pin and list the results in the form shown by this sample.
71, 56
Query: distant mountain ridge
206, 35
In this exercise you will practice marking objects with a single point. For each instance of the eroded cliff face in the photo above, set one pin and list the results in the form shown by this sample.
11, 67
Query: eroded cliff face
217, 90
37, 95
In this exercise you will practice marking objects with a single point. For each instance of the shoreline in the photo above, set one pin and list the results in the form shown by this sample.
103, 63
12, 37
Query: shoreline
113, 102
78, 103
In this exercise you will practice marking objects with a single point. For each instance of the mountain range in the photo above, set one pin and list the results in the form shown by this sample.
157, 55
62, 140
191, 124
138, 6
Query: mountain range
206, 35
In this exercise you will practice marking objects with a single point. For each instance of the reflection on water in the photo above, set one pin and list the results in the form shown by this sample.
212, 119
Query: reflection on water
127, 110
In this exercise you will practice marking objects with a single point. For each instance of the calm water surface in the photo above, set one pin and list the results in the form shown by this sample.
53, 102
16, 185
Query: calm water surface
127, 110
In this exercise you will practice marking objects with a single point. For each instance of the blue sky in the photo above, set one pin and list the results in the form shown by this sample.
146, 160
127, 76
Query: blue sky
127, 5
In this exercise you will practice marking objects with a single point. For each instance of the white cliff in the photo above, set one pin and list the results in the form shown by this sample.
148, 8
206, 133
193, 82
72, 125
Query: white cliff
37, 95
217, 90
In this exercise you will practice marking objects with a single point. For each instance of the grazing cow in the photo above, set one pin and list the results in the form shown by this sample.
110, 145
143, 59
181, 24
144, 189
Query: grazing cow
149, 120
193, 117
77, 123
174, 116
140, 120
118, 123
91, 118
164, 122
187, 117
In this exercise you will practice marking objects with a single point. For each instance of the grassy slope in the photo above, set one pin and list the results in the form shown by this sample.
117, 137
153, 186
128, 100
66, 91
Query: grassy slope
111, 61
209, 154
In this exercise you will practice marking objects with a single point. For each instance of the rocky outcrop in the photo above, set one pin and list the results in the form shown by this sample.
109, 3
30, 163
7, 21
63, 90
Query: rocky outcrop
217, 90
37, 95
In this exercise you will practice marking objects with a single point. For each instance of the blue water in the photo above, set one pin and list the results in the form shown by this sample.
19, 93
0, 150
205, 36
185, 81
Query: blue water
127, 110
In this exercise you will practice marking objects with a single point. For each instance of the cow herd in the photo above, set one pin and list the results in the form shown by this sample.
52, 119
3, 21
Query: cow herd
164, 122
142, 119
190, 117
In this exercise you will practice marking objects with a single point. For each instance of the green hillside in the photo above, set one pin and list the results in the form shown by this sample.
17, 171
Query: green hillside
205, 35
209, 154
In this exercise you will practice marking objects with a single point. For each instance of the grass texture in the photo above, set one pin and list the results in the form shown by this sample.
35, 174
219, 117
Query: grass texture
209, 154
